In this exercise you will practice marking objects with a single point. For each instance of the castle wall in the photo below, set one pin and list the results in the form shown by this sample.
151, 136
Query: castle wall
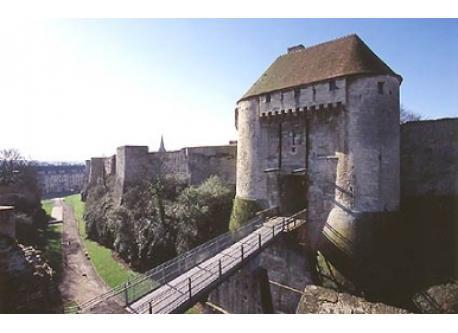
429, 158
96, 170
429, 196
344, 136
327, 139
367, 186
171, 163
204, 162
110, 165
132, 167
134, 164
278, 145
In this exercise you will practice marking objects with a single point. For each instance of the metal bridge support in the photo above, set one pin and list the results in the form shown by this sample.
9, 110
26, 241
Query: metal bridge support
126, 293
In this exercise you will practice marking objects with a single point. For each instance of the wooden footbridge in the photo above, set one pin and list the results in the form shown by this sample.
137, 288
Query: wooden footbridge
176, 285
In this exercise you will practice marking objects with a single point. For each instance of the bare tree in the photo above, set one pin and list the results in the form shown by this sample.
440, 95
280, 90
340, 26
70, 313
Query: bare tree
407, 115
15, 169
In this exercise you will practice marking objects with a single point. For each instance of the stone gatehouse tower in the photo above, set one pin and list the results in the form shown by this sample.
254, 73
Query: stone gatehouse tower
320, 130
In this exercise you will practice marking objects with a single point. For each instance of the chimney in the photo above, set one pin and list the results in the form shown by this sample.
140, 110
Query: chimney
296, 48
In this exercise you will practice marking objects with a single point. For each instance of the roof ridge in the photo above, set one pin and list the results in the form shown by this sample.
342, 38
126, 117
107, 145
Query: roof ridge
324, 43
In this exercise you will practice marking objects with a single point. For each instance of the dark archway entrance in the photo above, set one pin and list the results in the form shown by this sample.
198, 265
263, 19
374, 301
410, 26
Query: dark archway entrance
293, 193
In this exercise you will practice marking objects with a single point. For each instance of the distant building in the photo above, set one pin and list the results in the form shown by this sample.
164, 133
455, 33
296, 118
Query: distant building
56, 180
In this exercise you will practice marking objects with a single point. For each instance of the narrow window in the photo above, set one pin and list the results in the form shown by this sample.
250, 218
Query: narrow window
281, 96
332, 85
314, 93
293, 135
380, 87
268, 98
297, 93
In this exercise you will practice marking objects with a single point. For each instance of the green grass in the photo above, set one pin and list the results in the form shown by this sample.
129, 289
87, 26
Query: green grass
70, 307
193, 310
111, 271
47, 205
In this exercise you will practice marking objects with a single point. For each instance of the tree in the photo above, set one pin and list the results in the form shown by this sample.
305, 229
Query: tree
202, 212
15, 169
407, 115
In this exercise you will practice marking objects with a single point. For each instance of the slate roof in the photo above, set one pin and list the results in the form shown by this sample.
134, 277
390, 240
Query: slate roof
340, 57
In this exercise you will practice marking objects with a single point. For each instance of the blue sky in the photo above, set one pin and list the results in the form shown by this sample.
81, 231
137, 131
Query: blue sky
115, 82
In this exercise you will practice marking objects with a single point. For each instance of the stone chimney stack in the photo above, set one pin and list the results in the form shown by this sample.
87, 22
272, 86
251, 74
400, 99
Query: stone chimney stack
7, 223
296, 48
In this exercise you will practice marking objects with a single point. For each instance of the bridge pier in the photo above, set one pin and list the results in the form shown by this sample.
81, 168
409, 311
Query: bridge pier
250, 290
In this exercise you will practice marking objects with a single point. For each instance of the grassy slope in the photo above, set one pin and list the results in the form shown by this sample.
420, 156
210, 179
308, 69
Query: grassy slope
111, 271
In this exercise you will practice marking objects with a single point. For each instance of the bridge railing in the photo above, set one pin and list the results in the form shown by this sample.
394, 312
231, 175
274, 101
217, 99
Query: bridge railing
288, 223
145, 283
173, 268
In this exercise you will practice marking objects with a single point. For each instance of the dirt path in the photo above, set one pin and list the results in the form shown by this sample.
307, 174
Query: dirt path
79, 282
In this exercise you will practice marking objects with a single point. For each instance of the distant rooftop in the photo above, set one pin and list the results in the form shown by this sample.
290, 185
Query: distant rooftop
304, 65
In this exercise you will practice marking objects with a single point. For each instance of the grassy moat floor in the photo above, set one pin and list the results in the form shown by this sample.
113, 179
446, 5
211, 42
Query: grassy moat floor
108, 268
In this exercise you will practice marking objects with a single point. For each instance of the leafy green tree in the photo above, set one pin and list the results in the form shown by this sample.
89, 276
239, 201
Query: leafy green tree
202, 212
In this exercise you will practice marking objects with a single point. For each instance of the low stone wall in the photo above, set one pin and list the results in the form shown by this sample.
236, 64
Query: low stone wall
317, 299
26, 280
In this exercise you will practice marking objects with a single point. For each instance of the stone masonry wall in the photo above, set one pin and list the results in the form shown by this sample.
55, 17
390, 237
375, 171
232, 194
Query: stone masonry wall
286, 265
429, 157
429, 196
134, 164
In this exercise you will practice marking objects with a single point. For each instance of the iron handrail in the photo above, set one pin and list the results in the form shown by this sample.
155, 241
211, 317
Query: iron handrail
171, 269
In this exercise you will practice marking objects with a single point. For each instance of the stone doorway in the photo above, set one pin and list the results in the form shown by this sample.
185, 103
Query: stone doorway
293, 193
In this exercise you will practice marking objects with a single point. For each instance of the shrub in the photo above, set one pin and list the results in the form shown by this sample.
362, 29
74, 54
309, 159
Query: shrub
202, 212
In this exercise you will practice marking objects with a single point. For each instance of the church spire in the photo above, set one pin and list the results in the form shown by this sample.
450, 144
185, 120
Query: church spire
161, 146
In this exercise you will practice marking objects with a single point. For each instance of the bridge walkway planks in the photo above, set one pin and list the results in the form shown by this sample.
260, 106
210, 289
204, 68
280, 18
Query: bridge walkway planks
182, 291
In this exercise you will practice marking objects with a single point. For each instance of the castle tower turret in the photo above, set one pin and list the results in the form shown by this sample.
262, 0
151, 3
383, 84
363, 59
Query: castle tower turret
321, 127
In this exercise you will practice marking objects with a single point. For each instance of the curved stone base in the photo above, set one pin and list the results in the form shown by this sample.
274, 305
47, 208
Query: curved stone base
361, 246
